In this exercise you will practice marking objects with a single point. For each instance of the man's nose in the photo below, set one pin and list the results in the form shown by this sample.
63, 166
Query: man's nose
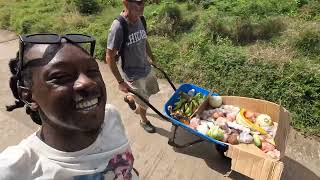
84, 83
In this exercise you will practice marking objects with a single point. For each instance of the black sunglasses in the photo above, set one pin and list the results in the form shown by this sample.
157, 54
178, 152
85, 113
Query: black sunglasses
140, 3
51, 38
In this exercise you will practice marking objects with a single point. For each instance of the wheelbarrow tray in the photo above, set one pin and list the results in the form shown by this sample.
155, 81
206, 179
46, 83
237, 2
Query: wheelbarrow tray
247, 159
185, 88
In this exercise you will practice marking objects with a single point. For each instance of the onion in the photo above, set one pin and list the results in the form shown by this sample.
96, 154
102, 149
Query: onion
215, 101
264, 120
233, 138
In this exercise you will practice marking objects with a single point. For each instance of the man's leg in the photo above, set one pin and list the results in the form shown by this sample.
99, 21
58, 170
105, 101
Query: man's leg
145, 87
144, 122
143, 114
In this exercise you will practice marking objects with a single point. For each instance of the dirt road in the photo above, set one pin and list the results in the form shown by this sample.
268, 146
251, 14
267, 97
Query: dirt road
154, 158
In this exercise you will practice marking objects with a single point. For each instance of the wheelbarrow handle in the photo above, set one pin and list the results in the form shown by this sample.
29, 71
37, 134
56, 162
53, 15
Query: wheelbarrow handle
166, 76
150, 105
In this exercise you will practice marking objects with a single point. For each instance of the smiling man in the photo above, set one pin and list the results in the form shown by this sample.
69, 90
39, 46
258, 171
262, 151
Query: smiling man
128, 39
80, 137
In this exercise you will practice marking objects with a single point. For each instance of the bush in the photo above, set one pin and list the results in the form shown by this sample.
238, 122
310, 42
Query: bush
100, 34
261, 8
166, 52
301, 94
243, 30
308, 42
311, 10
113, 3
26, 26
190, 6
5, 19
186, 24
269, 27
44, 26
218, 27
206, 3
87, 6
246, 31
195, 1
164, 27
300, 3
169, 22
74, 20
171, 12
23, 25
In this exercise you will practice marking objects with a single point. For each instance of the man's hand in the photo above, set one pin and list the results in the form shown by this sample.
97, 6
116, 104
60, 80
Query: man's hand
124, 87
153, 63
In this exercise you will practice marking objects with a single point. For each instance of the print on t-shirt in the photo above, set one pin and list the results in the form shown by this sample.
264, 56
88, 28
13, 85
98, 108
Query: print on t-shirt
136, 37
119, 168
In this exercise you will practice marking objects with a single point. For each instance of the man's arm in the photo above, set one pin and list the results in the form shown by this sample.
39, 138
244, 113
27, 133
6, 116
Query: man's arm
110, 59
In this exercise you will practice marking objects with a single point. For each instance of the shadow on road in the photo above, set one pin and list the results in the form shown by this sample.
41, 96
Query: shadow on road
163, 132
293, 170
154, 115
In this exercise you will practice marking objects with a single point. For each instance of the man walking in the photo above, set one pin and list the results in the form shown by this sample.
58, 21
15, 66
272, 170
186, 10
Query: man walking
128, 39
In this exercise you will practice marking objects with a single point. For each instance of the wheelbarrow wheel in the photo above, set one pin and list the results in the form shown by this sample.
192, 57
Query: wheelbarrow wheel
221, 150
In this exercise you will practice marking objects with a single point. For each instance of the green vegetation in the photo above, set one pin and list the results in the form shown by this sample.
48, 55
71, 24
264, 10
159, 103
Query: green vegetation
87, 6
267, 49
308, 42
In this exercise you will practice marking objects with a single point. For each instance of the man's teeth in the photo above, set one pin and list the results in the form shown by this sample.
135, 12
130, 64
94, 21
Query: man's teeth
87, 104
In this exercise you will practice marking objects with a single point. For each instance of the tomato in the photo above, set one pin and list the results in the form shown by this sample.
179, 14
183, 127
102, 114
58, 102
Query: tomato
249, 115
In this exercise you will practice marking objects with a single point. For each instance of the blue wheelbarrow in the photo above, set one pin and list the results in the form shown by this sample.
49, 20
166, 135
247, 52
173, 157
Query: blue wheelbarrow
220, 146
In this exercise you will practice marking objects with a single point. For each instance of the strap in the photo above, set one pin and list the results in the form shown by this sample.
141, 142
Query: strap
124, 26
125, 33
144, 22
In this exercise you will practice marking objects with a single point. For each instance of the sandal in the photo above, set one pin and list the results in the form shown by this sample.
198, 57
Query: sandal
131, 104
148, 127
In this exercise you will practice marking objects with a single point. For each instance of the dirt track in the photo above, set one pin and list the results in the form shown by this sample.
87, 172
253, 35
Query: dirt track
154, 158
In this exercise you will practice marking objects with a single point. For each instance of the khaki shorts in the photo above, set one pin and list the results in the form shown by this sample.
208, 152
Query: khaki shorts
145, 87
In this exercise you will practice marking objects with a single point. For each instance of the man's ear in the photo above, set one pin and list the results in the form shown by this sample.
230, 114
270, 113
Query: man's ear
26, 96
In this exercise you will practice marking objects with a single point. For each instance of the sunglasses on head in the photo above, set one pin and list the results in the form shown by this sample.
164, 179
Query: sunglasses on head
51, 38
137, 2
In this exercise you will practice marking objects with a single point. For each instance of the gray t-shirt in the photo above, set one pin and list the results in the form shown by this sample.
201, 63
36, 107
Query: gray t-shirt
135, 64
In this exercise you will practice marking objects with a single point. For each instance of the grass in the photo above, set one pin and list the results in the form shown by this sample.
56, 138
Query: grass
262, 49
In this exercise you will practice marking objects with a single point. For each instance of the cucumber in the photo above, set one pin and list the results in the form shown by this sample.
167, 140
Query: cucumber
257, 140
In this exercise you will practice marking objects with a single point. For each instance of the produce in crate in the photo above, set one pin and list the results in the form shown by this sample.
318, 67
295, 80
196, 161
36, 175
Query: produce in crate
257, 140
264, 120
186, 105
216, 132
249, 122
215, 101
236, 125
226, 123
